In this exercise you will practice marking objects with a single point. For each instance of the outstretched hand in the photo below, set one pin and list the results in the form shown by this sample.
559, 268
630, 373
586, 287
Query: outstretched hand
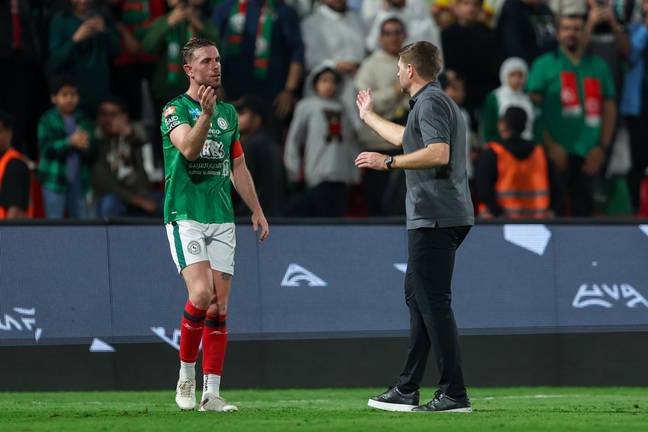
364, 101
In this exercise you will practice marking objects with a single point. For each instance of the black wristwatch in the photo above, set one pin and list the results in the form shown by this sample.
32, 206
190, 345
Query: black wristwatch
389, 160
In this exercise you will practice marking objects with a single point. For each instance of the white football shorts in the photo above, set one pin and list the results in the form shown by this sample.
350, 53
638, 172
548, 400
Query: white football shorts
192, 242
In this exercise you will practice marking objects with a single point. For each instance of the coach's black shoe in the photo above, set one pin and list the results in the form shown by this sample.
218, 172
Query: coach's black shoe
394, 400
444, 403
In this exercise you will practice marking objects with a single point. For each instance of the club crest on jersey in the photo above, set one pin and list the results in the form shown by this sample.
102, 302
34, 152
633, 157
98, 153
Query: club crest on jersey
194, 111
193, 247
212, 150
222, 123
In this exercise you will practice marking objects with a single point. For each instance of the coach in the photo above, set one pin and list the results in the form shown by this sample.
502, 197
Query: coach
439, 216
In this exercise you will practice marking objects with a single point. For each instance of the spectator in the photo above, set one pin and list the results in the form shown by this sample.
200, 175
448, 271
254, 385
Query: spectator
377, 72
165, 38
118, 176
634, 102
133, 65
66, 153
454, 86
322, 129
605, 34
21, 73
526, 29
14, 174
420, 23
263, 157
470, 50
513, 75
513, 175
263, 51
333, 33
82, 44
444, 14
576, 93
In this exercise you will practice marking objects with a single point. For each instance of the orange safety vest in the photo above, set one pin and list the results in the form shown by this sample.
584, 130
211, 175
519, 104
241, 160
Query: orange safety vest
9, 155
522, 187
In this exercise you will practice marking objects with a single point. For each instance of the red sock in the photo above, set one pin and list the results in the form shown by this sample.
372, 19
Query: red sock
214, 343
191, 328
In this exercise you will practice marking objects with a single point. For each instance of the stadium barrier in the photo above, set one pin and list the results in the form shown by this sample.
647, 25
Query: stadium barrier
536, 304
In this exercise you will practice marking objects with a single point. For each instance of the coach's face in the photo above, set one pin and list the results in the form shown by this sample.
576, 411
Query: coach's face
205, 67
404, 76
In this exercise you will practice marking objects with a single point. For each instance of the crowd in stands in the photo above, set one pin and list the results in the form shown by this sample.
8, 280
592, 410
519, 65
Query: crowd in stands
555, 93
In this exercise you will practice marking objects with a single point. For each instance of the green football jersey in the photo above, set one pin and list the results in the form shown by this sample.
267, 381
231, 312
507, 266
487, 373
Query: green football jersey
199, 190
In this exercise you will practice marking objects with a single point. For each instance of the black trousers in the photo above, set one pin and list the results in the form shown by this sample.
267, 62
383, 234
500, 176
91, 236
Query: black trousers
428, 296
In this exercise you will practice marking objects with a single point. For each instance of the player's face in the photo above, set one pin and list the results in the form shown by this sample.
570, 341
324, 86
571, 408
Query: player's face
66, 99
205, 68
5, 137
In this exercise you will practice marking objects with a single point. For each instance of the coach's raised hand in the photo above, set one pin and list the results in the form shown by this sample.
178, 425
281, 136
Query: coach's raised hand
207, 96
364, 101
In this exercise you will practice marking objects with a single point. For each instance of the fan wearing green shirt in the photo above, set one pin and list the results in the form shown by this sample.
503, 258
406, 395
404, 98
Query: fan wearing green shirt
202, 155
575, 92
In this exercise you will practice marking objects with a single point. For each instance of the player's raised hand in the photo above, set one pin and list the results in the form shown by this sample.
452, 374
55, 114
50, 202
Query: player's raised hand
364, 101
259, 221
207, 96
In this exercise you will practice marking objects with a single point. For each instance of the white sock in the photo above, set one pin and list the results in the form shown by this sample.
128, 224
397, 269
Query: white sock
211, 384
187, 370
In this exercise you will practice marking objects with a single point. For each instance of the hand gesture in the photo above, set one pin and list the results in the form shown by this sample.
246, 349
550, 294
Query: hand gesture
364, 101
79, 139
177, 15
207, 97
371, 160
97, 23
259, 221
84, 31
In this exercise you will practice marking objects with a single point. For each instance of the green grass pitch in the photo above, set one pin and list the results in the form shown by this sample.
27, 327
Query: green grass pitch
503, 409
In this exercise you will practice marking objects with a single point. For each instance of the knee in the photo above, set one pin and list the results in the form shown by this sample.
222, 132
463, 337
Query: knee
217, 309
202, 298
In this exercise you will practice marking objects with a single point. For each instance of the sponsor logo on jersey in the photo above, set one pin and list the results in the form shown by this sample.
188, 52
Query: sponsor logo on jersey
194, 247
212, 150
296, 274
222, 123
608, 295
169, 111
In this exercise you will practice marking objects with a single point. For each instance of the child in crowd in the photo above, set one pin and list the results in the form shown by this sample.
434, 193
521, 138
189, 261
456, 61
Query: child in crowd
66, 153
322, 129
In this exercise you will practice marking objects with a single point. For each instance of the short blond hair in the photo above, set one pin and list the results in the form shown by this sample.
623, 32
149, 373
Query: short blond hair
192, 45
